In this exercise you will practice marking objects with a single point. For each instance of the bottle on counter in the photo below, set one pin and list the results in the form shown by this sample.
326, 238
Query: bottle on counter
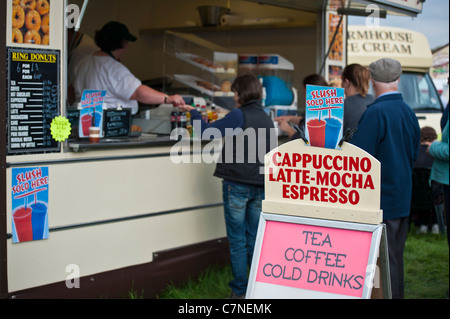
204, 113
189, 126
174, 119
188, 118
181, 121
210, 115
189, 123
214, 113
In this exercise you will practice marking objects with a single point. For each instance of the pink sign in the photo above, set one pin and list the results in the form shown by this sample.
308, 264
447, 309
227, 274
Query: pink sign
318, 258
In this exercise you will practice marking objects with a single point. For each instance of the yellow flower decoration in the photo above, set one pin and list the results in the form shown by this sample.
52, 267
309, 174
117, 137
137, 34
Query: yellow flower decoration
60, 128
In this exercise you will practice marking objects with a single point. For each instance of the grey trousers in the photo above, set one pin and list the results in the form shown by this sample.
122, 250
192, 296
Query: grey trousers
396, 233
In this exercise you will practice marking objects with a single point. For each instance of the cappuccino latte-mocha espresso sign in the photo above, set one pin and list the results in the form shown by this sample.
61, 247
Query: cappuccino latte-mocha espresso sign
305, 180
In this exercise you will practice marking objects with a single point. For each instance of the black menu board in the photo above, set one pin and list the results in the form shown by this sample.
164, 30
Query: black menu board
116, 123
33, 100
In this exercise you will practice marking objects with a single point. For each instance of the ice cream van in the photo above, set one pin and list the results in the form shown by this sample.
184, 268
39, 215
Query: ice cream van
411, 49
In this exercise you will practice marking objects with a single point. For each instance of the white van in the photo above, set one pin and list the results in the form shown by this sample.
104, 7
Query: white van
368, 44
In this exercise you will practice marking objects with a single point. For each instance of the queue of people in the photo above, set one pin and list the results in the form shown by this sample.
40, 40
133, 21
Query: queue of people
386, 126
388, 129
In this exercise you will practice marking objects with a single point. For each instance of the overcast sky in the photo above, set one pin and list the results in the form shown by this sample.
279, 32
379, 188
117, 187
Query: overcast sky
433, 22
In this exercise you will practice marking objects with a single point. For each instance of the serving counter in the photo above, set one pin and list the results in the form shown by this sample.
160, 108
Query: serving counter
120, 142
114, 209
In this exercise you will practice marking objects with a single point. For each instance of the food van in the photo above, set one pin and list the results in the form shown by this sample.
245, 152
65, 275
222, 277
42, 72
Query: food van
98, 220
368, 44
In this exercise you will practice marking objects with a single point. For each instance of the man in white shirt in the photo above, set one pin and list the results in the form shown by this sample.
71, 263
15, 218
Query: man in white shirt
103, 70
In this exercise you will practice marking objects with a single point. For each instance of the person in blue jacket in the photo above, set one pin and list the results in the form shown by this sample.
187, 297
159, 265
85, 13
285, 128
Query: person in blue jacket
389, 131
439, 171
242, 171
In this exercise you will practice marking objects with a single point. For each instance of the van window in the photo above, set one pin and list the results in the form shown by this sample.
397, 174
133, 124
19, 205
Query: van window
419, 92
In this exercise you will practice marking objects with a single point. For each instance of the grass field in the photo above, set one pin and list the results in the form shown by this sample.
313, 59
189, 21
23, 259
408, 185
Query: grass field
426, 262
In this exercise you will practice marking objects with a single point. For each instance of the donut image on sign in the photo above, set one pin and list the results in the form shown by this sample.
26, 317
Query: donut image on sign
30, 21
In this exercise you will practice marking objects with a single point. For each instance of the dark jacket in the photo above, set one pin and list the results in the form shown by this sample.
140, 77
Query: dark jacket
242, 158
390, 132
354, 108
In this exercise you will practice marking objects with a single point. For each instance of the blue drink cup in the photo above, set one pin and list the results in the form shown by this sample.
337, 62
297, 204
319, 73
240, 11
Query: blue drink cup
98, 117
332, 130
38, 218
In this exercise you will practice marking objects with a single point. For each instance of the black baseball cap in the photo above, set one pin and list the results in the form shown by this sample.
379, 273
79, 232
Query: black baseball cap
117, 31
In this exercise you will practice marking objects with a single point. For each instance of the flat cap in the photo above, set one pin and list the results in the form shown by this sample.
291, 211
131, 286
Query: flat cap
385, 70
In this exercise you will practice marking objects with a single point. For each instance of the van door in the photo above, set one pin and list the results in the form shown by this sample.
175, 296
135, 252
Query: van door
421, 95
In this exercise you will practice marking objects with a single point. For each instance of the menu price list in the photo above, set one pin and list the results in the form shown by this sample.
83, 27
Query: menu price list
33, 100
117, 123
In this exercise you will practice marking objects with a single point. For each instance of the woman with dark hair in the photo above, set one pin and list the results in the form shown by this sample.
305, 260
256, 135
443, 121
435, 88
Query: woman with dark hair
355, 81
315, 79
103, 70
246, 129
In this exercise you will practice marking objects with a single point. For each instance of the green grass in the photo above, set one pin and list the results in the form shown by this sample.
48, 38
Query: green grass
426, 261
211, 284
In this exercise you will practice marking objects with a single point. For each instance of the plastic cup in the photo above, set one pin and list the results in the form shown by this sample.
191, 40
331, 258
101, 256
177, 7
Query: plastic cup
22, 221
94, 134
38, 217
332, 130
86, 123
316, 131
